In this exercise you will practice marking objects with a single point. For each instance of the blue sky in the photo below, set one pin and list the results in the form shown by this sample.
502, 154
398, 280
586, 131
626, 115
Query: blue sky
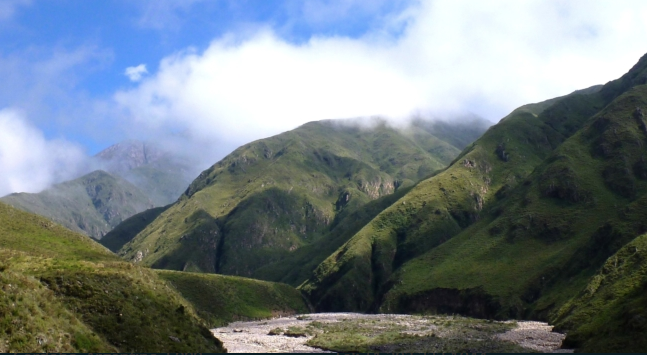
109, 36
205, 76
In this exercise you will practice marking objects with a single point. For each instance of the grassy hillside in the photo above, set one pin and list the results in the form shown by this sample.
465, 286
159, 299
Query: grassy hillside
610, 313
223, 299
515, 226
62, 292
92, 204
271, 197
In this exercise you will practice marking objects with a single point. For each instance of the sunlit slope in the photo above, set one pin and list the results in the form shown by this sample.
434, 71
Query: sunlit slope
276, 195
60, 291
460, 255
92, 204
536, 248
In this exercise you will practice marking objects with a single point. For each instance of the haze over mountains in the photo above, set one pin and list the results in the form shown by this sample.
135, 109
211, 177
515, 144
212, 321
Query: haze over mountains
131, 177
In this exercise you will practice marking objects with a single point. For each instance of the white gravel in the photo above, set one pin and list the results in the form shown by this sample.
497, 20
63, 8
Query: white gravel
537, 336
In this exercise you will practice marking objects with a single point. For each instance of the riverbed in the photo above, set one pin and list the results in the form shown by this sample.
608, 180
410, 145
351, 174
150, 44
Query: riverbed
350, 332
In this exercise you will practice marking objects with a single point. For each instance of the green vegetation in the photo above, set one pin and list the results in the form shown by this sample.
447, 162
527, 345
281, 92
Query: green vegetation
611, 311
269, 198
223, 299
129, 228
62, 292
92, 204
417, 335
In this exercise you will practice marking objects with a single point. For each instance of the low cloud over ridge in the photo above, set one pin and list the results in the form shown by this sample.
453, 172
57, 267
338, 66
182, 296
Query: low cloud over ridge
487, 58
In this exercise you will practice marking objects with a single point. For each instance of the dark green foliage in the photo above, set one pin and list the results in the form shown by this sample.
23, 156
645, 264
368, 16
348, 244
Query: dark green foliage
610, 313
128, 229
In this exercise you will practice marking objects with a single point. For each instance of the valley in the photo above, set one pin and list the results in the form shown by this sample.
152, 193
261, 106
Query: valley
437, 236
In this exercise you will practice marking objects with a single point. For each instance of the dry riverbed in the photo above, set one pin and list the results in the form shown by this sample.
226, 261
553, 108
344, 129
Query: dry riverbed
352, 332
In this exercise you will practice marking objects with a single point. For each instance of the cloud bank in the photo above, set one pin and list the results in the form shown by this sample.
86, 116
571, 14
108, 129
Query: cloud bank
483, 57
28, 161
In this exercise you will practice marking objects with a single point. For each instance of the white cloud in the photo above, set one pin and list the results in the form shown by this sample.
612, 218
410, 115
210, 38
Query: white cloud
136, 73
28, 161
486, 57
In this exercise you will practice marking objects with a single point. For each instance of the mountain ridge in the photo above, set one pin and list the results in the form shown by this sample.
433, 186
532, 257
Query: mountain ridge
278, 194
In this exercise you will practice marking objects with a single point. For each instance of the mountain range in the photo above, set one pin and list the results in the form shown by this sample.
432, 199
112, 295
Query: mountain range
528, 221
274, 196
540, 216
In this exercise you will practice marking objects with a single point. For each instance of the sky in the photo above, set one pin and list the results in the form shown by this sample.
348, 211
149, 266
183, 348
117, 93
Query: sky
210, 75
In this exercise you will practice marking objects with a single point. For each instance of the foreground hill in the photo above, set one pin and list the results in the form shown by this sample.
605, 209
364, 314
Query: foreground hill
276, 195
62, 292
517, 225
92, 204
221, 299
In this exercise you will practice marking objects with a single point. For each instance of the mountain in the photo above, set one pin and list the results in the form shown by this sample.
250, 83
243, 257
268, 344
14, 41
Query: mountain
92, 204
156, 170
137, 176
271, 197
61, 291
518, 226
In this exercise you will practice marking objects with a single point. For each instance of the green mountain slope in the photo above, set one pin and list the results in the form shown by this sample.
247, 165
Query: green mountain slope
515, 226
62, 292
610, 313
274, 196
92, 204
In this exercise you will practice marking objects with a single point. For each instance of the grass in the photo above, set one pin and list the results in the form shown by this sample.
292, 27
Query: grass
63, 292
612, 304
223, 299
421, 334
